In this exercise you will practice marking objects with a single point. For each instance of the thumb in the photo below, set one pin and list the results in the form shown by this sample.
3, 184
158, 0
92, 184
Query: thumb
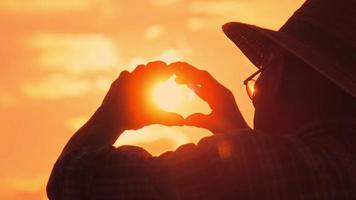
170, 119
199, 120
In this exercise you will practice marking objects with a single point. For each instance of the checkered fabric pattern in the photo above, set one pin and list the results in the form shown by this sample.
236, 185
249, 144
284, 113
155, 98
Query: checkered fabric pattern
319, 163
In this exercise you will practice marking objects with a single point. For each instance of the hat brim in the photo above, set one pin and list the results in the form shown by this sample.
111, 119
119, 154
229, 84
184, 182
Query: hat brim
256, 43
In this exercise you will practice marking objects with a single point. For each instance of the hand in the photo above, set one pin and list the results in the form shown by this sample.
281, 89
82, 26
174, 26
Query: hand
129, 101
225, 115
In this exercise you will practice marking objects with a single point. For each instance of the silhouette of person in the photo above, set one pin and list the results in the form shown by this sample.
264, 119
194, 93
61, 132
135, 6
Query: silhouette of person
302, 145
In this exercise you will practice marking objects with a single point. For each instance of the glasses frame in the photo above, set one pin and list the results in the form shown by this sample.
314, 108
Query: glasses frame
248, 79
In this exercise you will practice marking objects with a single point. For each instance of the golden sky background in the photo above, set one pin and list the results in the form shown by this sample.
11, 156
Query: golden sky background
58, 59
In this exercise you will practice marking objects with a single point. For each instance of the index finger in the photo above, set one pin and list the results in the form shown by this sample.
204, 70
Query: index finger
158, 70
152, 71
191, 75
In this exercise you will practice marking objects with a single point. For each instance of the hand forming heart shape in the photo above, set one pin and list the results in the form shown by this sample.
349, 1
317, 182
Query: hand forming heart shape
129, 98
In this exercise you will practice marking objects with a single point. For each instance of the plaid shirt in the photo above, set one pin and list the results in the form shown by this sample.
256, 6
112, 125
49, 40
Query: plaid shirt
316, 163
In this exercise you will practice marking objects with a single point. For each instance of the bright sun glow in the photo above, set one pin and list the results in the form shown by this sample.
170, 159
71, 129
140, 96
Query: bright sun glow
251, 88
169, 95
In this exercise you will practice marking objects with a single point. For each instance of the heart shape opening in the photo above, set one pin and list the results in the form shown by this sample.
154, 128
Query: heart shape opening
172, 97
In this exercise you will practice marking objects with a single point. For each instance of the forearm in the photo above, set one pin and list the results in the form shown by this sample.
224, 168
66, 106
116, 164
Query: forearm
229, 121
101, 129
240, 121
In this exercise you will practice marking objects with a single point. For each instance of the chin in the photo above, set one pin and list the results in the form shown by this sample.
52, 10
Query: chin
268, 123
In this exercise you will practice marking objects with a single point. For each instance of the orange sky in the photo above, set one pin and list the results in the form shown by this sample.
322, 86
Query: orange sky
59, 57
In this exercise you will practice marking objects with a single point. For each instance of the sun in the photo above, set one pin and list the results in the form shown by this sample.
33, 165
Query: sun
168, 95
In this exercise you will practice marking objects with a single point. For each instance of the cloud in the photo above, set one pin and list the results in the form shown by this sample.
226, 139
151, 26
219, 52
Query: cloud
56, 86
169, 55
101, 83
44, 6
263, 12
75, 54
158, 146
74, 123
29, 184
22, 188
59, 86
148, 136
164, 2
215, 8
213, 14
133, 62
196, 23
154, 32
152, 133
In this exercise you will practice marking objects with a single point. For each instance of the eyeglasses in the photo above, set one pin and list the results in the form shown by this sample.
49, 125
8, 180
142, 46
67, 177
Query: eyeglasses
251, 80
250, 83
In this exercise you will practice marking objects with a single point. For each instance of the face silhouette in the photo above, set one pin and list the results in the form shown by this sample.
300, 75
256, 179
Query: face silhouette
290, 94
268, 108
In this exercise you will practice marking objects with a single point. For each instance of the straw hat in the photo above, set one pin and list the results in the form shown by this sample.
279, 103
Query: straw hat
322, 33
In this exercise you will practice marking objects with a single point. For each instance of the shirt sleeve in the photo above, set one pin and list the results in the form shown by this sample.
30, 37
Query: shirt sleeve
245, 164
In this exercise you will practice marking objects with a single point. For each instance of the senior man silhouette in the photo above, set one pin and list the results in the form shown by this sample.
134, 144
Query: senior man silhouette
302, 145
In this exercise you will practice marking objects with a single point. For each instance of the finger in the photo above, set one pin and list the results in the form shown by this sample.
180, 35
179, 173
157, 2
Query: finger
197, 89
179, 80
201, 82
138, 69
170, 119
156, 67
185, 72
189, 74
115, 86
149, 72
207, 94
198, 120
158, 70
124, 75
157, 63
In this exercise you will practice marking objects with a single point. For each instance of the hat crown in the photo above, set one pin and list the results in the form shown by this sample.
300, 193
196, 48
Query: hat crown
331, 18
320, 33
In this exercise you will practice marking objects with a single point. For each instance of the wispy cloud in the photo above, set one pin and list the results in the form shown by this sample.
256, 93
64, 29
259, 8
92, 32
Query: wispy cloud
198, 23
45, 6
133, 62
212, 14
164, 2
59, 86
154, 32
149, 136
263, 12
75, 54
216, 8
74, 123
169, 55
18, 189
56, 86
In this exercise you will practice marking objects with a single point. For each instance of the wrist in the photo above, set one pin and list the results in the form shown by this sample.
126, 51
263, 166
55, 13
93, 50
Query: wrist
106, 117
234, 122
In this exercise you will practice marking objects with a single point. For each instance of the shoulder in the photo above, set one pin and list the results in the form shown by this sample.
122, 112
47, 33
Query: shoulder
235, 151
225, 146
243, 141
244, 160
